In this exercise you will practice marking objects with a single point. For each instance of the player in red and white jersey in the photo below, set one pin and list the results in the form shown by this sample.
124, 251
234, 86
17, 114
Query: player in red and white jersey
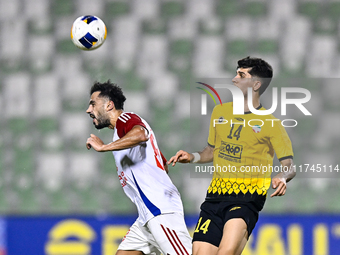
142, 172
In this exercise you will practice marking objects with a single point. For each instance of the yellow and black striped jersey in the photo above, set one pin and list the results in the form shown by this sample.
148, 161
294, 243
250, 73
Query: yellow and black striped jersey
244, 147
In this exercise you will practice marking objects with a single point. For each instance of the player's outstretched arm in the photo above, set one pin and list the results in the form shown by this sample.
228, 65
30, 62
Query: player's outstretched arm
135, 136
279, 182
185, 157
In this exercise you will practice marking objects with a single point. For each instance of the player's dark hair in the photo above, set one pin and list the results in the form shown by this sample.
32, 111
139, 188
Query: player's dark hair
110, 90
259, 68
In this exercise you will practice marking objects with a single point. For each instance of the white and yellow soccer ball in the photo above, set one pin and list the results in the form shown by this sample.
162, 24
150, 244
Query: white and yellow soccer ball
88, 32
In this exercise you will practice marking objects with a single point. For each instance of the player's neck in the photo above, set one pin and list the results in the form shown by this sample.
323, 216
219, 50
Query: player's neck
114, 115
255, 102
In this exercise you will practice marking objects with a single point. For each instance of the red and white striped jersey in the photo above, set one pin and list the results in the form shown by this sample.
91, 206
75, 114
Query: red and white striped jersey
141, 172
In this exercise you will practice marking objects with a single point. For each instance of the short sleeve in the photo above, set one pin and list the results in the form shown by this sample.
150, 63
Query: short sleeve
281, 142
164, 159
126, 121
212, 131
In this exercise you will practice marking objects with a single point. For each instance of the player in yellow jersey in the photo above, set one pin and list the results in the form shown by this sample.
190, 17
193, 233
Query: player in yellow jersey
242, 148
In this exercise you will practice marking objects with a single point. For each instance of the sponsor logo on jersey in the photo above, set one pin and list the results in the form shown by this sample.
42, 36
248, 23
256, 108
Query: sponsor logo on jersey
231, 150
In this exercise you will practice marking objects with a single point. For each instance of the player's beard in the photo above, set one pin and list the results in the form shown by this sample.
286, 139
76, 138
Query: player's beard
102, 122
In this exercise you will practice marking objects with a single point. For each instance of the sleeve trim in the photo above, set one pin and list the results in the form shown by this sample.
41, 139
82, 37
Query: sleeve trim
287, 157
213, 146
163, 158
126, 121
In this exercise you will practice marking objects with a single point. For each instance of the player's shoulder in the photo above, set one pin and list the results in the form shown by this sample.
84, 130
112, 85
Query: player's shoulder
269, 116
128, 116
129, 119
266, 116
271, 125
126, 121
223, 107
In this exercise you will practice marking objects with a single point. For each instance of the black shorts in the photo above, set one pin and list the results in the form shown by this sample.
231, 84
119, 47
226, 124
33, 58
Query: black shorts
214, 215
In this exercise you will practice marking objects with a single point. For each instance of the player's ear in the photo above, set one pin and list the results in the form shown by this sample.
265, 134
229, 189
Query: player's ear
110, 106
257, 85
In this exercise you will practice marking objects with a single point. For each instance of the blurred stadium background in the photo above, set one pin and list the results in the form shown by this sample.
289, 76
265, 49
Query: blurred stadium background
154, 50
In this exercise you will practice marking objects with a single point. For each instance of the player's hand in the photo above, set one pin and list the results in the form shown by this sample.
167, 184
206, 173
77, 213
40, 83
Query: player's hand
181, 156
279, 183
94, 142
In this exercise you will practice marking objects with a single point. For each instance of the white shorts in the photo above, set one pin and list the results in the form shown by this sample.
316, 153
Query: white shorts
165, 233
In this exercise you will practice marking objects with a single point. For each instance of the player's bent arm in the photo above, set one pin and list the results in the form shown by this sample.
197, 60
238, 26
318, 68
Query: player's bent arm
279, 182
135, 136
206, 155
288, 169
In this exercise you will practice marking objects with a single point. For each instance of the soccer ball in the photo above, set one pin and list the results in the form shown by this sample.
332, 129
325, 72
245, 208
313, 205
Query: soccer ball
88, 32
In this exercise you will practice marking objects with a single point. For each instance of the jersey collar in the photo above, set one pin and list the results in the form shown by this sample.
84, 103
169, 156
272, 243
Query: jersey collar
257, 108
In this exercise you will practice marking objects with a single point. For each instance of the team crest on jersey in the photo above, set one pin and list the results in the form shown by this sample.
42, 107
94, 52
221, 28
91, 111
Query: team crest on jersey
257, 128
220, 119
